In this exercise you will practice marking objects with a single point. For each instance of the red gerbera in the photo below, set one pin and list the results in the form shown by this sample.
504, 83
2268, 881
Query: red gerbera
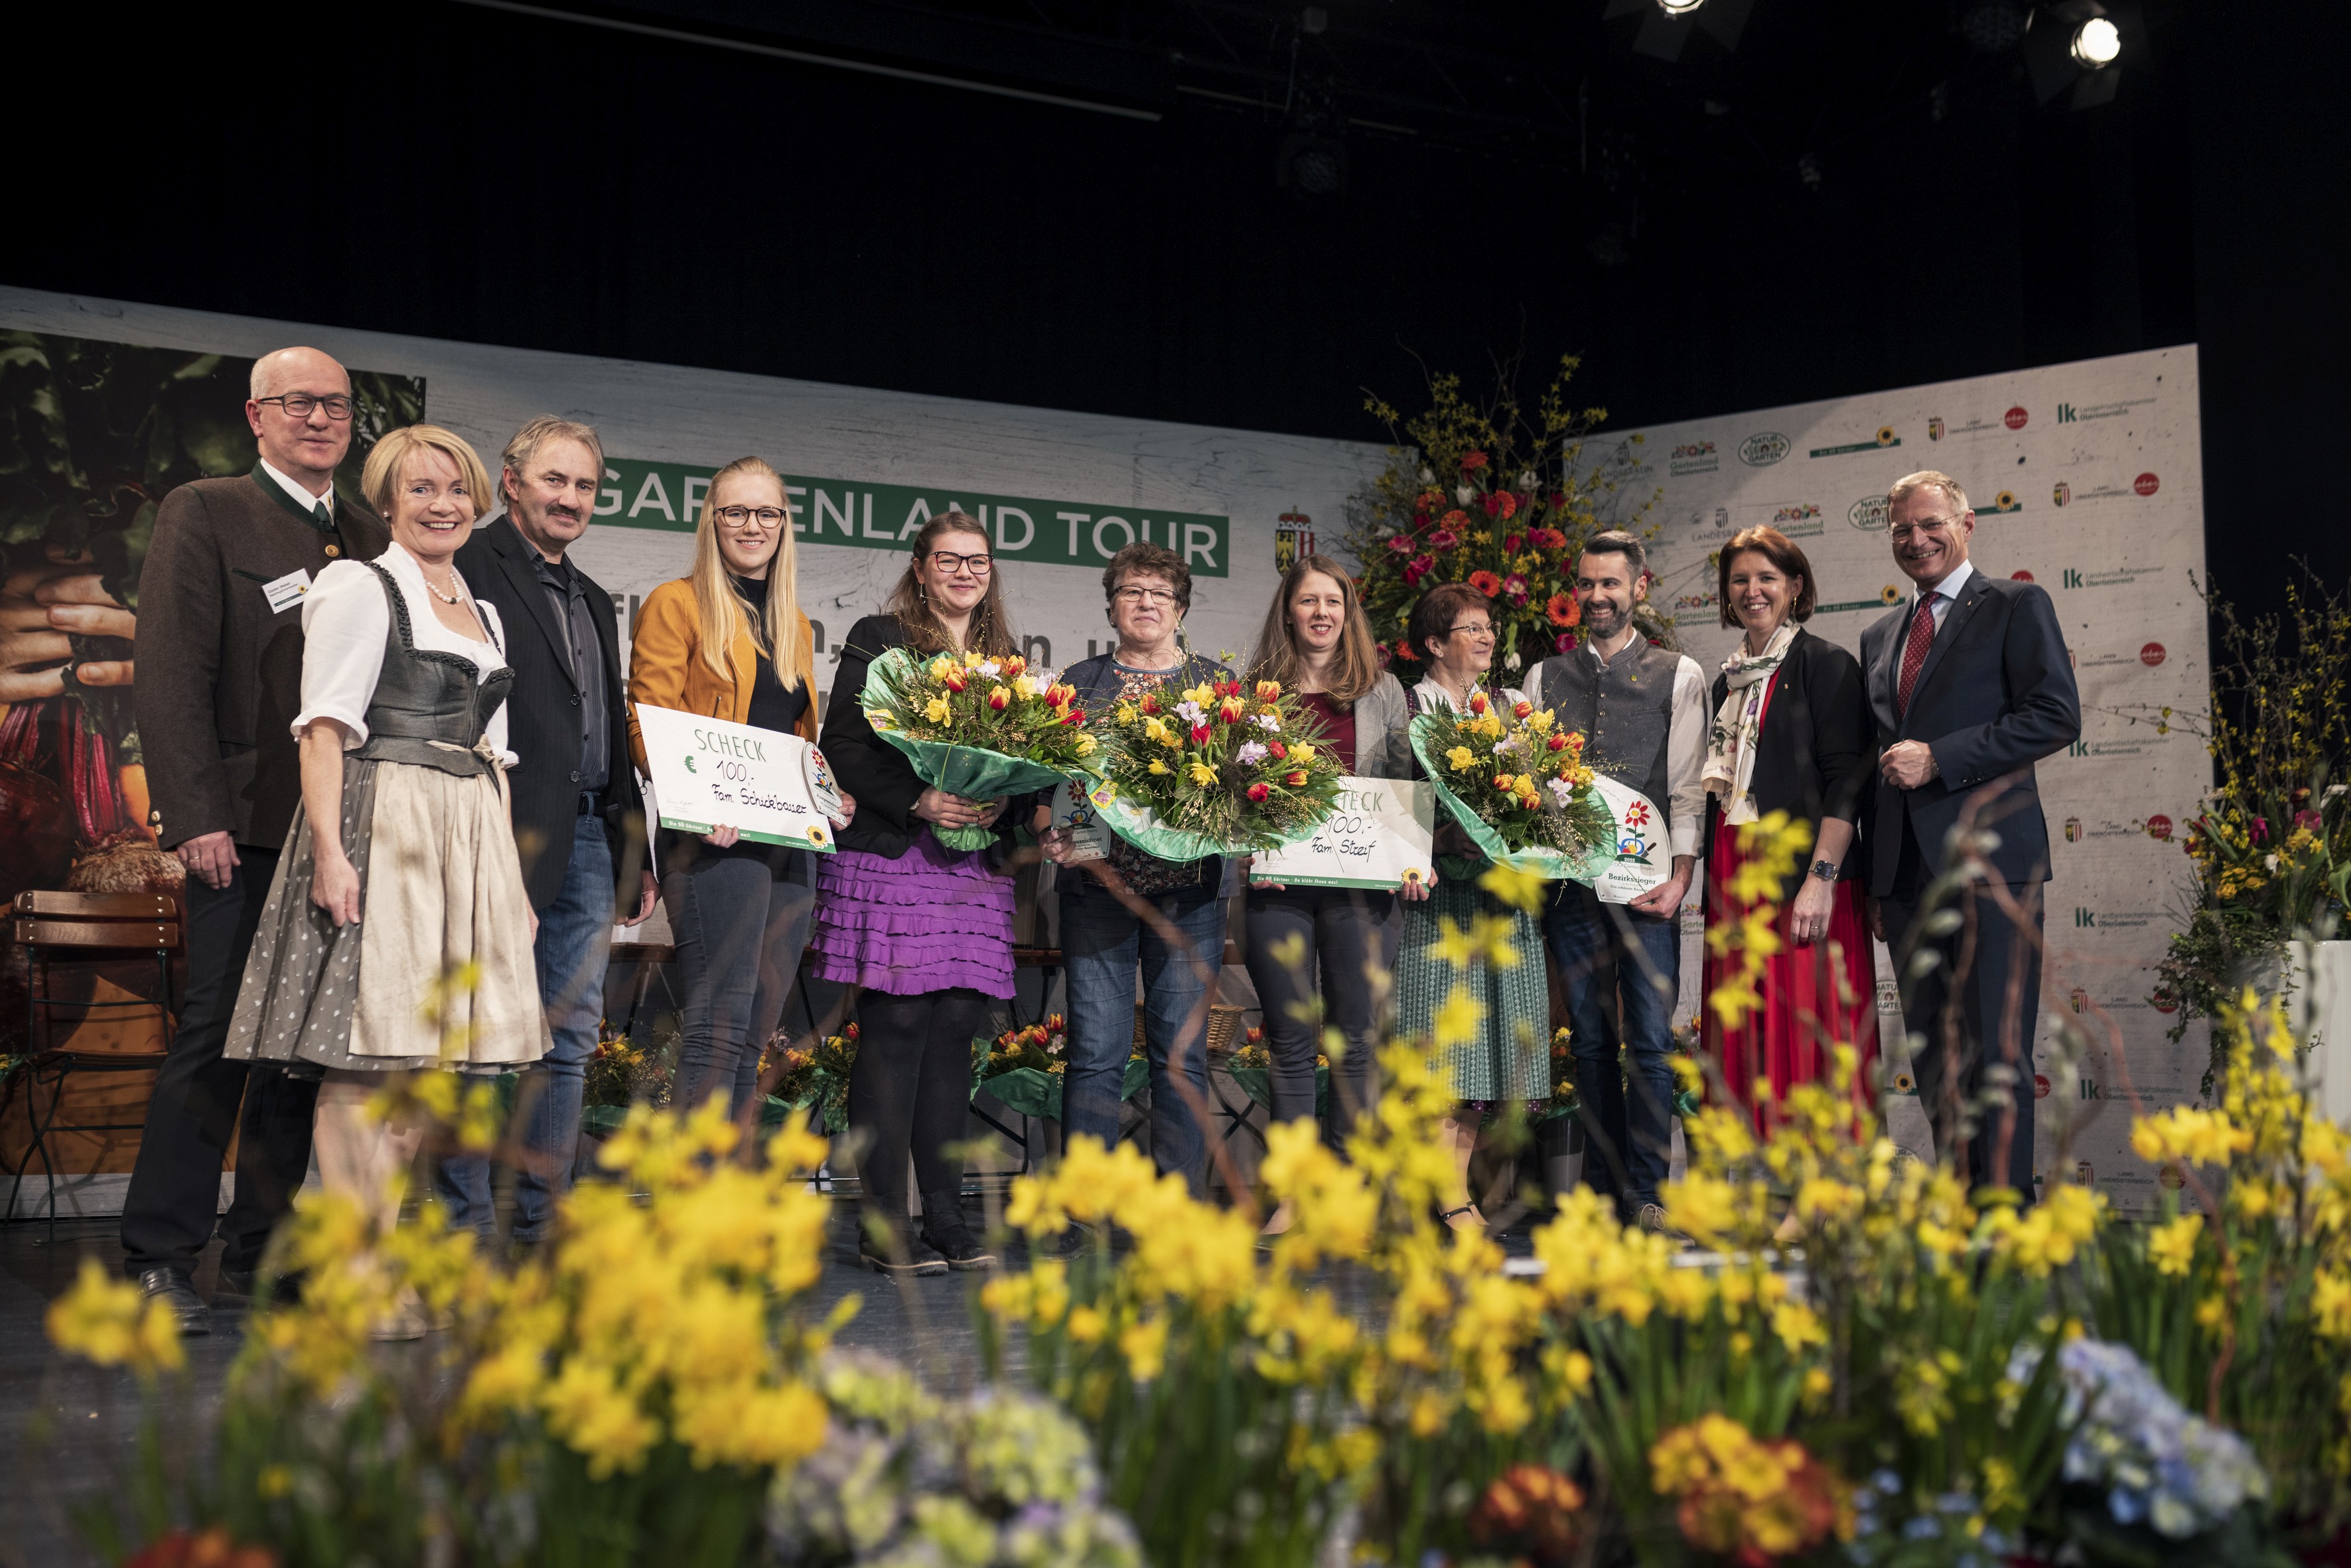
1563, 609
1472, 460
1486, 582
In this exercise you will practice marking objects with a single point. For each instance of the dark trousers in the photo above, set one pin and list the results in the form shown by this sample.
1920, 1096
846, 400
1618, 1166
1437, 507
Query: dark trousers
1344, 932
1622, 973
740, 921
1974, 1011
910, 1091
168, 1214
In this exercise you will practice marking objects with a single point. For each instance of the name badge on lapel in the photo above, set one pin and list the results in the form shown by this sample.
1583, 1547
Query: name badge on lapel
287, 590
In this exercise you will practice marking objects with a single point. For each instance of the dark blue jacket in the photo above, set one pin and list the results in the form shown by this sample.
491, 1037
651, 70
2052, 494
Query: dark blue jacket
1995, 696
1098, 685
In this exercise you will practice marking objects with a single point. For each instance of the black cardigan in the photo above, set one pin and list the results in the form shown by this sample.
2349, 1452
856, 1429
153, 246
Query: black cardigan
876, 773
1812, 759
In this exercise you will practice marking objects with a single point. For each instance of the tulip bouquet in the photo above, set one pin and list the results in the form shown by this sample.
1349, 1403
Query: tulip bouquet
1516, 784
978, 727
1215, 770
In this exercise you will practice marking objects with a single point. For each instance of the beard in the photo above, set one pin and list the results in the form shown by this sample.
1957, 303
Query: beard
1604, 619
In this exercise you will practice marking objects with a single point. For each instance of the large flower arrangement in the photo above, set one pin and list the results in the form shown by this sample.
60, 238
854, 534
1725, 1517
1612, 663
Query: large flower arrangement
1486, 497
1516, 784
2271, 847
978, 727
1220, 768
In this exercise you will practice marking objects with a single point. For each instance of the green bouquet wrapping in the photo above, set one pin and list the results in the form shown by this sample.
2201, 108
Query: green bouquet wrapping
979, 727
1517, 785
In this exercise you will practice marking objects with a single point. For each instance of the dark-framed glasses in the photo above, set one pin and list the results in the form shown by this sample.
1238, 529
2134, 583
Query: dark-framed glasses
949, 562
1158, 596
745, 517
299, 405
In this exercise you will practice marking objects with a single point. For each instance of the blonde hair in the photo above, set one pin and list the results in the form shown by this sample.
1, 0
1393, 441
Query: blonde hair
1926, 479
381, 476
716, 605
1354, 663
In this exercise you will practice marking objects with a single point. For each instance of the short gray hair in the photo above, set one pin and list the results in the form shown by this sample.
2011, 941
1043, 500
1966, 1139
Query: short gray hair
549, 427
1926, 479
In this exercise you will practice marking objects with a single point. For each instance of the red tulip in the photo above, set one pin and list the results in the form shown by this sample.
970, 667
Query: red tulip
1478, 704
1258, 793
1557, 742
1513, 543
953, 680
1075, 716
1150, 703
1295, 780
1521, 709
1279, 749
1199, 735
999, 699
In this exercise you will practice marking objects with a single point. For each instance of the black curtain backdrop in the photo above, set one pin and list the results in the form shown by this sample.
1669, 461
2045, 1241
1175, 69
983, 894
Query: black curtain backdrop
465, 173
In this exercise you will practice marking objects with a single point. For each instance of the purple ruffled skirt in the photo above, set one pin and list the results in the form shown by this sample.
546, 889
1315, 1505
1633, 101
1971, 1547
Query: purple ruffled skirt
928, 920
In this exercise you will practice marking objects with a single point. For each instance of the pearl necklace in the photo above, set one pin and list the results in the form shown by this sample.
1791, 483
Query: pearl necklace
456, 598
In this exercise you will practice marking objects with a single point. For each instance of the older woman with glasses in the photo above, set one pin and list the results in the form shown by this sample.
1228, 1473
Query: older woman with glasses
1105, 941
1510, 1058
730, 642
925, 931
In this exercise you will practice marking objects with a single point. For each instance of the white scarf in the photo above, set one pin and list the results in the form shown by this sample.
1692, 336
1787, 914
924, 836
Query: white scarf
1730, 743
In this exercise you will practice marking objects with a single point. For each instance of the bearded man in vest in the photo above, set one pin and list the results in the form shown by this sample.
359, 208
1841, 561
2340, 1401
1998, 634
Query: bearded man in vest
1642, 711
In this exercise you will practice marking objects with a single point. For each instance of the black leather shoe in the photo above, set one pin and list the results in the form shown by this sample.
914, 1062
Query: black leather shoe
886, 1246
251, 1288
176, 1291
949, 1236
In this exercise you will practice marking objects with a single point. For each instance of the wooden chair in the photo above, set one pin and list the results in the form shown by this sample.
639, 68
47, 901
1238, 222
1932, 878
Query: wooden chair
85, 926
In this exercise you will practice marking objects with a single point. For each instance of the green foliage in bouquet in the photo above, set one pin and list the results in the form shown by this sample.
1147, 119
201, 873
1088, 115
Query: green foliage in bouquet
979, 727
1215, 770
1516, 784
2272, 846
1485, 496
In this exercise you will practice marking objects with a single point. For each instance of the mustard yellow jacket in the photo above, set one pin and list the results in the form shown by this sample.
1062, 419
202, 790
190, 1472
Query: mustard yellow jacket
666, 668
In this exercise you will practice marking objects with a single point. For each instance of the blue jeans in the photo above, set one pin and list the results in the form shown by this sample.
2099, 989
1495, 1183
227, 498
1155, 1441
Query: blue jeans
1610, 959
575, 940
1103, 944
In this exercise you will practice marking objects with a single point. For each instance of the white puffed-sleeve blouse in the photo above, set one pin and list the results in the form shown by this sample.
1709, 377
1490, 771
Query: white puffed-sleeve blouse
345, 619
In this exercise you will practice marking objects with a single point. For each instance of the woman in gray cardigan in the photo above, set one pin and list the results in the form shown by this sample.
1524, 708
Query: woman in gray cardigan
1317, 643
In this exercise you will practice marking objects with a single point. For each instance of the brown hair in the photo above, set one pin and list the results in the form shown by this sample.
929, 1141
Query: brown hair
1354, 665
989, 631
1144, 558
1433, 617
1616, 541
1781, 551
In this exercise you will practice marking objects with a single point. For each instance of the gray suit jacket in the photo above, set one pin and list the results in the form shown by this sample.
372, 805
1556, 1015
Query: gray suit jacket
1383, 739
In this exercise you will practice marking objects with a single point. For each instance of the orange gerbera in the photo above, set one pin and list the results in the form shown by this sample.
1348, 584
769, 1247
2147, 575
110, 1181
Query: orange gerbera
1486, 582
1563, 609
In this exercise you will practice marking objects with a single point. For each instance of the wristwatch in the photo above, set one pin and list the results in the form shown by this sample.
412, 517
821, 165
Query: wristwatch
1825, 870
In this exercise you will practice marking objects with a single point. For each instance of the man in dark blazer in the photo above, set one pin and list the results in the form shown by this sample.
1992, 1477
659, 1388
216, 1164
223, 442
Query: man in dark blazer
220, 680
579, 819
1970, 684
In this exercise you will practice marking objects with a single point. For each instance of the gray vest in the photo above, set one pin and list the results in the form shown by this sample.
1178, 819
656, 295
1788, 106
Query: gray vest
425, 696
1625, 711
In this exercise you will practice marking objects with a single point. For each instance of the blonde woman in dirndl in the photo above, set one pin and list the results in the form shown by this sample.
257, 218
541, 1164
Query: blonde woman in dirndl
400, 869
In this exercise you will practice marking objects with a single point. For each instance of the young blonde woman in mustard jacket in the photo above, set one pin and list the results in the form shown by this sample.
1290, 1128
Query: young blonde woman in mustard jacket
730, 642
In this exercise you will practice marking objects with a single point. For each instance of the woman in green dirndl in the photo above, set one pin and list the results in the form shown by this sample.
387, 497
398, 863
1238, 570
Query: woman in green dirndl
1510, 1058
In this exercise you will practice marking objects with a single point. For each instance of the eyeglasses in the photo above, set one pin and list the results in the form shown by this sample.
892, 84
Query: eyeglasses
1156, 596
1482, 629
947, 561
1903, 532
299, 405
745, 517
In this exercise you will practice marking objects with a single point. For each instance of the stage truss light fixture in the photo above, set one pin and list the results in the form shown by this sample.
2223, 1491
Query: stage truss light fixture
2096, 43
1680, 7
1662, 34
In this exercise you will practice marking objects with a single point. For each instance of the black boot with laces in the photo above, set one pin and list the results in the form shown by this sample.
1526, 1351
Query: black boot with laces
944, 1228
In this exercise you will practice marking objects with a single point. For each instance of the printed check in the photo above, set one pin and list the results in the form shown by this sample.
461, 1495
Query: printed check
771, 788
1378, 838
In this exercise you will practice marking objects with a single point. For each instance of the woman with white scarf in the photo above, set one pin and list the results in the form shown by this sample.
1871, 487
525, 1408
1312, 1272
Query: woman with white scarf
1791, 733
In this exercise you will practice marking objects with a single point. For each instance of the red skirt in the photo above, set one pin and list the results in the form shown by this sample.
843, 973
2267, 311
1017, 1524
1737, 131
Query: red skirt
1814, 996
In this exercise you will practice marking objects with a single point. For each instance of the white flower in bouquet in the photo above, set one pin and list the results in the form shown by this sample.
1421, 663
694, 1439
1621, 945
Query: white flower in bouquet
1465, 494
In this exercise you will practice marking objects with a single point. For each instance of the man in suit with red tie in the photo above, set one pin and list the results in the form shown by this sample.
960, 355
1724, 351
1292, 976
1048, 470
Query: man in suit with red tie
1970, 686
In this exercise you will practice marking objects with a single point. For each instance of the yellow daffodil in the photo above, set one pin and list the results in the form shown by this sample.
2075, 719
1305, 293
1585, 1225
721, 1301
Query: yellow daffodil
1202, 774
936, 710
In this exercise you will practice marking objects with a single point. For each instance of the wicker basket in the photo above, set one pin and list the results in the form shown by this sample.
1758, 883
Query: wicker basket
1224, 1027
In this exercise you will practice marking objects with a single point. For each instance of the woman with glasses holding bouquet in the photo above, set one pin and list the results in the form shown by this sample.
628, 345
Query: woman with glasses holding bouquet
1510, 1058
730, 642
924, 930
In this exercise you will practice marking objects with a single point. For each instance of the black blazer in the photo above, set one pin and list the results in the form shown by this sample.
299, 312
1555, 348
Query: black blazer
1813, 758
543, 718
1995, 696
876, 773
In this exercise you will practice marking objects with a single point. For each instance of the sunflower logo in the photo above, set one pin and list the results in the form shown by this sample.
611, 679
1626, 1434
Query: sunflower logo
1885, 435
1412, 875
1889, 594
2004, 502
1905, 1084
816, 834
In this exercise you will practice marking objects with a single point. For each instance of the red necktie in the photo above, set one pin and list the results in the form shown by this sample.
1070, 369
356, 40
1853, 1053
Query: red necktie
1914, 652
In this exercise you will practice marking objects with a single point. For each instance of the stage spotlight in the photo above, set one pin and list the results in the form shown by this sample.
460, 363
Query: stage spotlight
2097, 42
1680, 7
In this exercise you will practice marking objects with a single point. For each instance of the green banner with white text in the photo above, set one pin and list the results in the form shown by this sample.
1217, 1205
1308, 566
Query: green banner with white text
640, 494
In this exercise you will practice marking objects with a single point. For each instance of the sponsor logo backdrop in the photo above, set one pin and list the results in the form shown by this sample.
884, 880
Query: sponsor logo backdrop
2087, 479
